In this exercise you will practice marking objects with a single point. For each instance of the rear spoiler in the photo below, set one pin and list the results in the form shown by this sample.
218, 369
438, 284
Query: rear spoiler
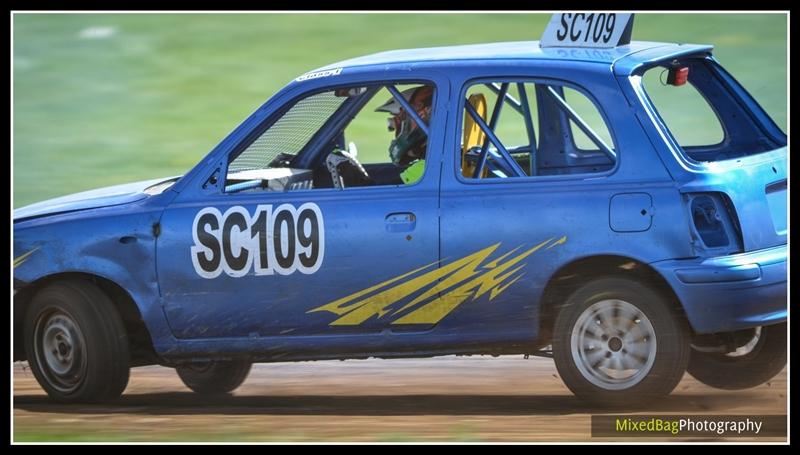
630, 63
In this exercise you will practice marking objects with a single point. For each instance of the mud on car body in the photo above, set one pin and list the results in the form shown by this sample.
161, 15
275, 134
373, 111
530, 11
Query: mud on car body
559, 209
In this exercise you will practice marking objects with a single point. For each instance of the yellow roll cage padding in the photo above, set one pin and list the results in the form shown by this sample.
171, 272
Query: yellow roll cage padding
473, 135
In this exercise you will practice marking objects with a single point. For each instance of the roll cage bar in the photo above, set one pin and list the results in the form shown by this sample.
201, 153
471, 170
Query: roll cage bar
504, 159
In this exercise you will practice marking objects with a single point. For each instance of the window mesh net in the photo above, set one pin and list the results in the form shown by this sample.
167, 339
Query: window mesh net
290, 133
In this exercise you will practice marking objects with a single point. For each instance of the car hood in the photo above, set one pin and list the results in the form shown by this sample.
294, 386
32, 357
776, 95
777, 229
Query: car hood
102, 197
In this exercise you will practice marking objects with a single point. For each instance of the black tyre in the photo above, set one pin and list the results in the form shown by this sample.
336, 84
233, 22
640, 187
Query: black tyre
214, 378
617, 342
76, 343
749, 366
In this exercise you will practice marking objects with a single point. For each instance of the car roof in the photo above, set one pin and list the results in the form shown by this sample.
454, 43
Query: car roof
628, 56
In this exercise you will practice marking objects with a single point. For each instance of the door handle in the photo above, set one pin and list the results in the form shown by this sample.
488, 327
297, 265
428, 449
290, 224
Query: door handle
401, 222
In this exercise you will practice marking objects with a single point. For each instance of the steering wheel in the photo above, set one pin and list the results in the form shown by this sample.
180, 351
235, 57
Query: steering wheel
345, 169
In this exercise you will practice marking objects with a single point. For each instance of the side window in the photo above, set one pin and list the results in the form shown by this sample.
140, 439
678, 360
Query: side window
389, 143
341, 138
524, 129
589, 113
376, 125
289, 134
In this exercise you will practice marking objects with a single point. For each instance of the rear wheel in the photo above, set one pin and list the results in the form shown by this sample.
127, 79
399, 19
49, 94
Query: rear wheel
618, 342
755, 362
214, 378
76, 343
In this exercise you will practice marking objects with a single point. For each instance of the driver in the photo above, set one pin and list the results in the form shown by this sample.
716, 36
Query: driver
410, 142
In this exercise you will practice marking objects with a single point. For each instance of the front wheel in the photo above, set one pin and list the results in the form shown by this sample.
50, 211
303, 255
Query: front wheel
617, 342
754, 363
214, 378
76, 343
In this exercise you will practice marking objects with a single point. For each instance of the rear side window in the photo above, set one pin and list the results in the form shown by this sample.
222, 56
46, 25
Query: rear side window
709, 115
589, 113
532, 129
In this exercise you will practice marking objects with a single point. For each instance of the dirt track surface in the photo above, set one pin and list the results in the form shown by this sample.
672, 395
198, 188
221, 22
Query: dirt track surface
439, 399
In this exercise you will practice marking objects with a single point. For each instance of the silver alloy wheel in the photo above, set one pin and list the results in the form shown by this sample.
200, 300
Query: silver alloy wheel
60, 350
613, 344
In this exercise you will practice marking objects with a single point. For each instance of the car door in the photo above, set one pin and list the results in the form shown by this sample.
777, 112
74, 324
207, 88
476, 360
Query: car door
296, 260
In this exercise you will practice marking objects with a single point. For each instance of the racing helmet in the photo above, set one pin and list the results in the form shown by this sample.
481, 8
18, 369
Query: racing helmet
410, 140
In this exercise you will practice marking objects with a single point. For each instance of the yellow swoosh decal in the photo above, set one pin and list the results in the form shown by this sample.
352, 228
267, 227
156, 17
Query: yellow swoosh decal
438, 291
19, 260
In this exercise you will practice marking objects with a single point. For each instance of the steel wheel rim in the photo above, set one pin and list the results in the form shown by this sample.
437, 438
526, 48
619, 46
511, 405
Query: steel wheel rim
613, 344
60, 350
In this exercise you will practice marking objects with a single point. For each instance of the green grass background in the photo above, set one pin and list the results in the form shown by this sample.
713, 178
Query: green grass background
153, 98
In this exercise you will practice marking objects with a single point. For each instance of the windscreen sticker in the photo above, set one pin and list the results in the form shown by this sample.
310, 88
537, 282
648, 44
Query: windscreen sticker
318, 74
280, 240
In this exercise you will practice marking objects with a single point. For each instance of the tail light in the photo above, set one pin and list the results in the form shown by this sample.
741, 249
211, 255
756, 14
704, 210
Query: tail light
714, 224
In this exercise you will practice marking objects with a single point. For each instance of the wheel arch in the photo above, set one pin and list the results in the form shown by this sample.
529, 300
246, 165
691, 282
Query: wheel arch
140, 340
569, 277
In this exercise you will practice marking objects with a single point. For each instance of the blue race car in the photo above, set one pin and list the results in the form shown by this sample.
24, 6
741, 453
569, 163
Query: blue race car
556, 198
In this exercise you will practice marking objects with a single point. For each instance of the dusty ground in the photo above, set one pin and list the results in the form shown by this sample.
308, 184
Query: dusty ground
440, 399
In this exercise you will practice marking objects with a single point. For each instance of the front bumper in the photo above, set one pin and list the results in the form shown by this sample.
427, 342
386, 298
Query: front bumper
733, 292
